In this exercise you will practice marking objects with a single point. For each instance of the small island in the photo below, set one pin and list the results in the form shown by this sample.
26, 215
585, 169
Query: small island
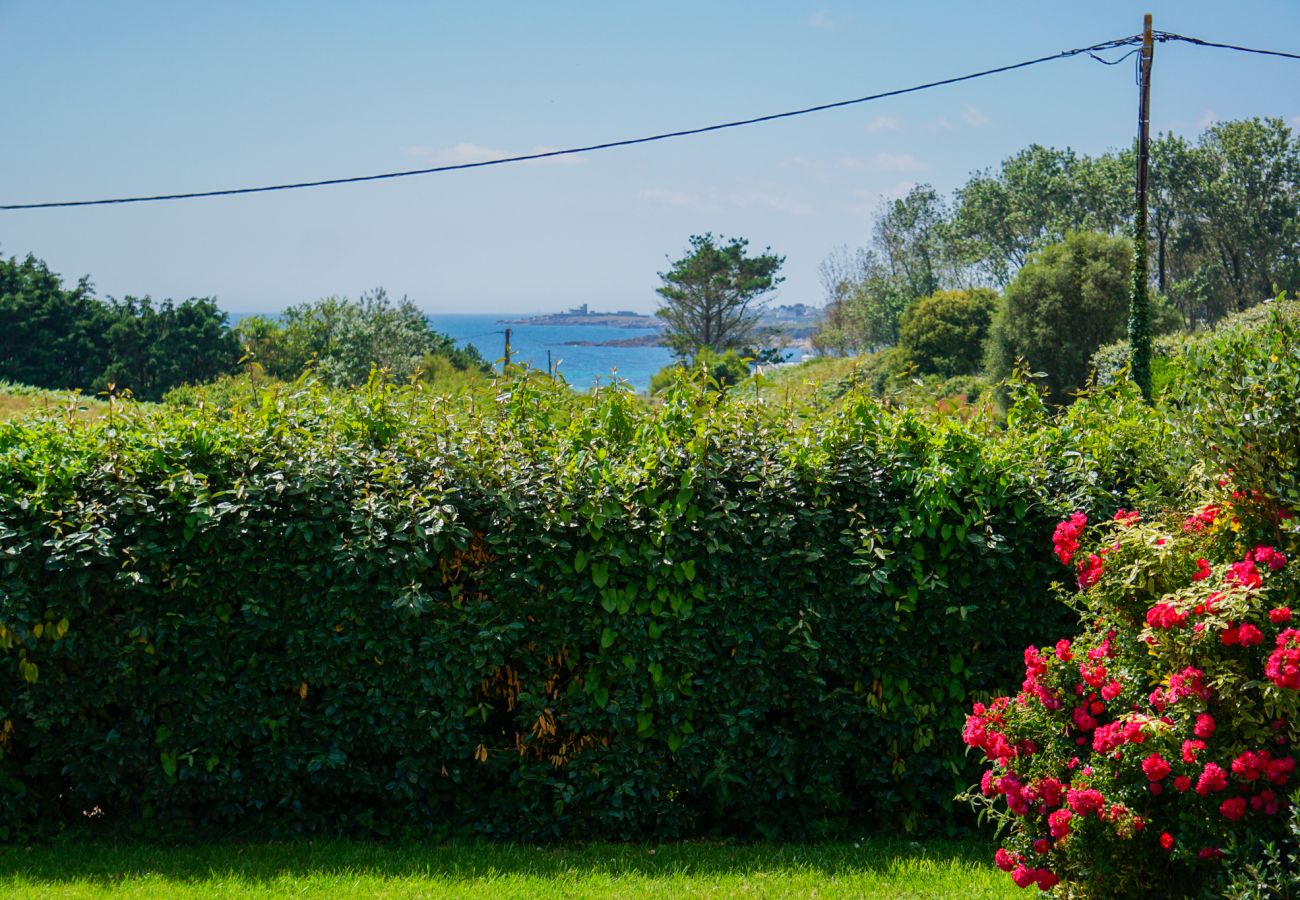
581, 315
655, 339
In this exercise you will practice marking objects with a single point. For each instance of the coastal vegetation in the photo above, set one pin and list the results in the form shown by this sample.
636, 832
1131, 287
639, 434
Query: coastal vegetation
60, 338
1223, 237
548, 614
341, 341
64, 338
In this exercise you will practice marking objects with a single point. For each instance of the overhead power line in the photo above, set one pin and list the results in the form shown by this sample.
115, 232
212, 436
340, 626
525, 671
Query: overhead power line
1170, 36
1115, 62
1162, 36
192, 195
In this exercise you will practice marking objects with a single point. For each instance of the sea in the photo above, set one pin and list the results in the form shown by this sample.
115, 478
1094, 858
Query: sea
582, 367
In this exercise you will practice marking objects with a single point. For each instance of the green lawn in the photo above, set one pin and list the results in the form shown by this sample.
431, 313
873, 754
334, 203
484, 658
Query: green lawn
337, 868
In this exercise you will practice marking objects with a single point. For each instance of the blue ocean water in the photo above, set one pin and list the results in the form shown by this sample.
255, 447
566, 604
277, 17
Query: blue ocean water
582, 367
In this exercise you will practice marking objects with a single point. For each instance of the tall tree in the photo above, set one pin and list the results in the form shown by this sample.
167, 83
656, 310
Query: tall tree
867, 290
154, 348
55, 337
712, 295
50, 336
1223, 228
840, 272
908, 236
1034, 199
1177, 167
1031, 201
1250, 208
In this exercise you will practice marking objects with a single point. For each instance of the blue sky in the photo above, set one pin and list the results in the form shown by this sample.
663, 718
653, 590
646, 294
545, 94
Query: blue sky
105, 99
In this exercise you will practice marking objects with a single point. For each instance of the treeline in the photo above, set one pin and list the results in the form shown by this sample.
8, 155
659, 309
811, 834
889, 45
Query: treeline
52, 336
58, 337
1224, 231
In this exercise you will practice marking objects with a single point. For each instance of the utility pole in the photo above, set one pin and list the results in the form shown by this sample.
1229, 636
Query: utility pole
507, 365
1139, 306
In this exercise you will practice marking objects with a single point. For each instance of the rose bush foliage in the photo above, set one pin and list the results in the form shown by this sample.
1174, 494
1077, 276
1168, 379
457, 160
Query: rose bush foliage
1154, 747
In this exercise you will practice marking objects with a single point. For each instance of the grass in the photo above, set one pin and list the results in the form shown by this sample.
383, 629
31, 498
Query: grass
821, 383
19, 400
818, 382
872, 868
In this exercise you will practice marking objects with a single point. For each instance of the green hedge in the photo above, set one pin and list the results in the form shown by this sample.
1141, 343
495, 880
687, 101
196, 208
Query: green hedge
553, 617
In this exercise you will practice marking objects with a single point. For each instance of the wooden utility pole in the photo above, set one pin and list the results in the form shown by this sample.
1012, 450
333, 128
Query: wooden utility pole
507, 365
1139, 311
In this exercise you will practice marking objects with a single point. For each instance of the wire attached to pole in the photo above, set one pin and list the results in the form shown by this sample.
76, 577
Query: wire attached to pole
1114, 62
192, 195
1163, 36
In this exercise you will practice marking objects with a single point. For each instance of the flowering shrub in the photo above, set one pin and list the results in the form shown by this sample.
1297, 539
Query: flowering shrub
1156, 746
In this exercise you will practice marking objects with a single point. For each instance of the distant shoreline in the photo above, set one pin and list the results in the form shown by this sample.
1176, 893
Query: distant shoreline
644, 340
613, 320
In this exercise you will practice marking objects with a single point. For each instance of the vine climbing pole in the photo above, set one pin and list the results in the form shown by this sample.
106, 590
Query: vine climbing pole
1139, 308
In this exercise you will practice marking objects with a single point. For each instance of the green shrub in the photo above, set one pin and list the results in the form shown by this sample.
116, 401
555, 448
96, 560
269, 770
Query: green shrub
944, 334
1238, 402
1274, 871
341, 340
881, 371
1101, 453
1111, 360
717, 370
1169, 362
544, 616
251, 389
1064, 303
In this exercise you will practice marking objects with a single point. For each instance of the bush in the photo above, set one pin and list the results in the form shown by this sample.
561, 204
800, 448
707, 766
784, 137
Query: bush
1237, 401
717, 370
1103, 452
1275, 874
1189, 617
1155, 744
341, 340
1111, 361
548, 616
1063, 304
944, 334
438, 379
1169, 361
